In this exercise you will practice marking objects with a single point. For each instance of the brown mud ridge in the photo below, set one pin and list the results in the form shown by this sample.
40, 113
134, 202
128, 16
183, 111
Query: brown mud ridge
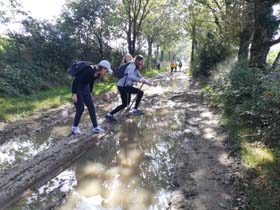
207, 176
44, 120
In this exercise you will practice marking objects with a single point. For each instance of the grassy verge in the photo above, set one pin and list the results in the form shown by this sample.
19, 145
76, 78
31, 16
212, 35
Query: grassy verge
262, 162
23, 106
14, 108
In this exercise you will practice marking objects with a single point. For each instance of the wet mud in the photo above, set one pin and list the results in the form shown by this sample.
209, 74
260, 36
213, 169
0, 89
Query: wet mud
173, 157
207, 176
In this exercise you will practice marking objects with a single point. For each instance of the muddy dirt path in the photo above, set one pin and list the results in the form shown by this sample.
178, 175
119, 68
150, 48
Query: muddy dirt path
206, 176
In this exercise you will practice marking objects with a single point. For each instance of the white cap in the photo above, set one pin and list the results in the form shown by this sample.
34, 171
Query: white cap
106, 64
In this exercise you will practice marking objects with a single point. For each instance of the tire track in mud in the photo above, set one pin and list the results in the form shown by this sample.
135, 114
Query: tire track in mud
205, 177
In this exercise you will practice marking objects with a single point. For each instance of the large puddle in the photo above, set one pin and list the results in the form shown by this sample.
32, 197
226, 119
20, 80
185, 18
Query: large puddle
131, 168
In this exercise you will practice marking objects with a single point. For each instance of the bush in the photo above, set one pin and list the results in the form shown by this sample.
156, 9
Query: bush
26, 79
250, 96
209, 53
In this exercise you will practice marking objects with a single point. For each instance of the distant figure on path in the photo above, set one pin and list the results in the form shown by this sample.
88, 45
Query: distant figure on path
180, 65
158, 65
173, 66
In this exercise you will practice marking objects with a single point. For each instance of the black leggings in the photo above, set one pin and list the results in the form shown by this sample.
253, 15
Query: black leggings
125, 96
85, 98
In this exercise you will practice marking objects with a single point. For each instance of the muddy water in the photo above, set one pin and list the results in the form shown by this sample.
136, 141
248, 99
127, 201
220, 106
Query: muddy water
131, 168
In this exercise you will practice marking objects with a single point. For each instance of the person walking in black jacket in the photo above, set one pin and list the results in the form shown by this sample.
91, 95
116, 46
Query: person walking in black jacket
82, 87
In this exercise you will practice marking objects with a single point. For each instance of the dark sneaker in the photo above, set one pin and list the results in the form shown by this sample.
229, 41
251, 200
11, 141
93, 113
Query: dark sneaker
137, 112
110, 117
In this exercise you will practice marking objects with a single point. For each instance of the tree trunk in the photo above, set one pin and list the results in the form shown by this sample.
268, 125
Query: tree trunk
136, 12
44, 166
157, 52
161, 55
129, 41
133, 41
193, 45
101, 47
244, 43
150, 45
169, 55
246, 35
262, 35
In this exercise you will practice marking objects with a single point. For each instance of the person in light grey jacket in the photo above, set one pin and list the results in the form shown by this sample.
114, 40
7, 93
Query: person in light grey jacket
125, 87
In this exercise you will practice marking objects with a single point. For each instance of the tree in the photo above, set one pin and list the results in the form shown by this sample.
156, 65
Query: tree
8, 8
136, 12
245, 28
161, 26
211, 39
88, 23
265, 28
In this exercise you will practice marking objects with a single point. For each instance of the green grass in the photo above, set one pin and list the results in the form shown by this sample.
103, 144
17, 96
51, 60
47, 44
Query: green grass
14, 108
23, 106
153, 72
262, 166
263, 179
262, 162
104, 87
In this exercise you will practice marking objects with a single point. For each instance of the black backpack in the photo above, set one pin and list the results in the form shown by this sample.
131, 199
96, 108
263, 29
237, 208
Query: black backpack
77, 67
119, 72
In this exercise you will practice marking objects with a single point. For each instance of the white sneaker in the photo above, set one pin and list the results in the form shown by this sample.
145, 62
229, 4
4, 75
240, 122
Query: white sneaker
98, 130
75, 130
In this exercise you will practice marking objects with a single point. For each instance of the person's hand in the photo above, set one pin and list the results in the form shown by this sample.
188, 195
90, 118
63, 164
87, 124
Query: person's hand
142, 80
148, 82
154, 84
74, 98
145, 81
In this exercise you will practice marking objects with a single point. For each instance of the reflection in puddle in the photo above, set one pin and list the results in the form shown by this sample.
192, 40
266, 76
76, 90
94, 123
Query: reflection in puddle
116, 188
132, 169
13, 152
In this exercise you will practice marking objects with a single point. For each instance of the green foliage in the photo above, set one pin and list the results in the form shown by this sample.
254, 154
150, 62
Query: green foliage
251, 103
21, 106
262, 176
210, 52
25, 79
38, 58
152, 72
251, 96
